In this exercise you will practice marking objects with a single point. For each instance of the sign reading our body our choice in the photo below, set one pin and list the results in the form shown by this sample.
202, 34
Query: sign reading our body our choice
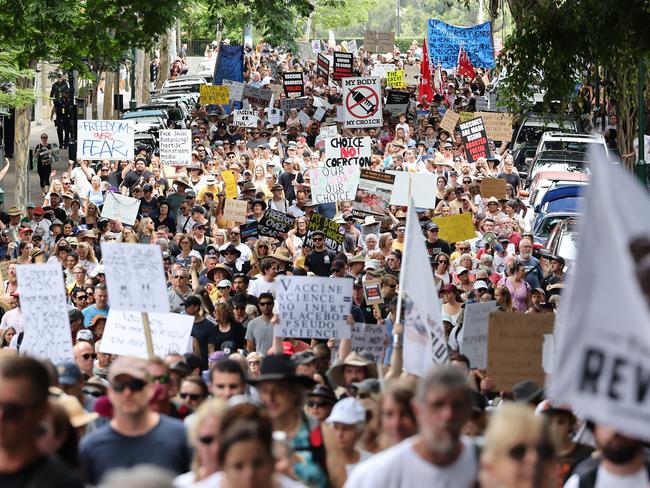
105, 139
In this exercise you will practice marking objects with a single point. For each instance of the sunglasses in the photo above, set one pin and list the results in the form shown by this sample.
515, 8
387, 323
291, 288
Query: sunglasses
192, 396
82, 297
234, 233
88, 355
517, 452
443, 261
207, 439
266, 304
317, 239
316, 404
93, 393
162, 379
463, 248
134, 385
392, 286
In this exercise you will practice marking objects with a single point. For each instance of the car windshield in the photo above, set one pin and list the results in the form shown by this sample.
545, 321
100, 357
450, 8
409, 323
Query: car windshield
571, 166
533, 133
567, 245
548, 225
581, 147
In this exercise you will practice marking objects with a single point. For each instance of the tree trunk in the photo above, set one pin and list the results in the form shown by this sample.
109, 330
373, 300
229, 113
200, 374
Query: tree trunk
109, 84
625, 76
21, 148
145, 95
94, 97
165, 39
139, 75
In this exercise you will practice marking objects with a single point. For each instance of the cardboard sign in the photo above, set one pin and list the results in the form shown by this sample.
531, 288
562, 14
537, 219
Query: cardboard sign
290, 103
249, 231
395, 79
135, 277
342, 65
323, 67
332, 231
230, 183
372, 292
373, 193
412, 75
120, 207
314, 307
515, 347
449, 121
473, 335
494, 187
235, 90
421, 185
382, 69
45, 313
474, 139
345, 151
335, 184
176, 147
124, 335
245, 118
362, 103
497, 125
257, 96
294, 85
275, 223
105, 139
214, 95
370, 338
379, 42
456, 228
397, 102
235, 210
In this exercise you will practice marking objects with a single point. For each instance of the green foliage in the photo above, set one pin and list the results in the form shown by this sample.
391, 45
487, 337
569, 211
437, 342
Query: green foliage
349, 13
10, 96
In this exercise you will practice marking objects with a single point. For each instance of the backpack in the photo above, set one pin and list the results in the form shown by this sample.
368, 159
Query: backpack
587, 471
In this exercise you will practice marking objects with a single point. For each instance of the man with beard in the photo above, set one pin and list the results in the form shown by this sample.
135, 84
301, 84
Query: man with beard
534, 274
436, 456
622, 463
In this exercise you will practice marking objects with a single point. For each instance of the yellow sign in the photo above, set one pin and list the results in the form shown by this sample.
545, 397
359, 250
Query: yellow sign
456, 228
395, 79
231, 184
214, 95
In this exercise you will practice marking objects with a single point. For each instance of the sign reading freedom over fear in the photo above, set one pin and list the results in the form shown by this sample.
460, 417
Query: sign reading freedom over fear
474, 138
343, 151
314, 307
362, 102
274, 223
105, 139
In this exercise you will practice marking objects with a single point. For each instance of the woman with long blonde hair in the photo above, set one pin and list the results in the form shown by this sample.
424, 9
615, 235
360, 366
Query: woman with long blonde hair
87, 257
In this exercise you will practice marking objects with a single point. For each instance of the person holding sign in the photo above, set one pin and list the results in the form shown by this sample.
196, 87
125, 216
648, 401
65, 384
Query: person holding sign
319, 260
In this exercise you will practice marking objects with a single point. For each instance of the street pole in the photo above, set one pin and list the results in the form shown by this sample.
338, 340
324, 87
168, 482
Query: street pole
641, 165
133, 104
399, 27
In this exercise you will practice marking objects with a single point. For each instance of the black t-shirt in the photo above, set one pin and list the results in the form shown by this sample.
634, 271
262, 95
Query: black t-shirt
151, 205
512, 179
285, 180
205, 333
132, 177
435, 248
320, 263
43, 473
236, 334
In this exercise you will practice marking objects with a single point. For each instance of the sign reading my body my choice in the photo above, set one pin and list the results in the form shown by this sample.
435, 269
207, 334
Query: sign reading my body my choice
105, 139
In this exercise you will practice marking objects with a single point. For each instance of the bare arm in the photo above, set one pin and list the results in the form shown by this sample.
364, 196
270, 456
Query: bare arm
397, 357
4, 170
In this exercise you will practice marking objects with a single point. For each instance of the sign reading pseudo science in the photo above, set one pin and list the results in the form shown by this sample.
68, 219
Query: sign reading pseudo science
314, 307
343, 151
362, 102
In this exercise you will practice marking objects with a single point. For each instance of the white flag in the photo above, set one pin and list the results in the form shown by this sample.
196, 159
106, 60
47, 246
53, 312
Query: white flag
602, 363
424, 337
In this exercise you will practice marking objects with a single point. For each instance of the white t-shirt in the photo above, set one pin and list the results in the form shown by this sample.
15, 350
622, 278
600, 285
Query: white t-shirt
605, 479
401, 466
13, 318
260, 285
214, 481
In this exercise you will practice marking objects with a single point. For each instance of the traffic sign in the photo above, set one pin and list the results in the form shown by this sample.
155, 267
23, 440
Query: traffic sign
362, 102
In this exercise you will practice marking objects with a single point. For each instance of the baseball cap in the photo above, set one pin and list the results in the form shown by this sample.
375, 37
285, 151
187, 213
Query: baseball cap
38, 210
191, 300
224, 284
125, 365
480, 284
433, 226
68, 372
84, 335
348, 411
30, 205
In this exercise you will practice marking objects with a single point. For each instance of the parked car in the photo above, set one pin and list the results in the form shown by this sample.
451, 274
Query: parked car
562, 141
547, 180
545, 224
529, 129
184, 84
150, 121
564, 161
563, 241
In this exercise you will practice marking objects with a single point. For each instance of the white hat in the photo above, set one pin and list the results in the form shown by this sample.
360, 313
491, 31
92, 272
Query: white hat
224, 284
347, 411
480, 284
99, 269
372, 264
461, 270
195, 254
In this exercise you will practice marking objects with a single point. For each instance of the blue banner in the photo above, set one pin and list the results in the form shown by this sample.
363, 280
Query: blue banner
444, 41
229, 65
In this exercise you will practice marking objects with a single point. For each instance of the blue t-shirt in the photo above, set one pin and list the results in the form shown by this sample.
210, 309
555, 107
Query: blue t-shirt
90, 311
105, 449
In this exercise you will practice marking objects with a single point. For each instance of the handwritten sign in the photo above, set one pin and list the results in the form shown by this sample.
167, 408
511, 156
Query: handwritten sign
275, 116
445, 40
456, 228
235, 90
395, 79
494, 187
105, 139
120, 207
135, 277
515, 347
257, 96
379, 42
332, 231
214, 95
176, 146
235, 210
473, 335
372, 292
291, 103
498, 125
275, 223
412, 75
381, 69
45, 313
474, 139
245, 118
123, 334
230, 183
334, 184
327, 131
314, 307
344, 151
370, 338
449, 121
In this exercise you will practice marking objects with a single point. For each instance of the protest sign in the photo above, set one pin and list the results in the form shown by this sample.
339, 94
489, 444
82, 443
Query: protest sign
235, 90
481, 103
515, 347
248, 231
105, 139
335, 184
319, 114
344, 151
352, 46
327, 131
314, 307
473, 335
342, 65
304, 118
135, 277
395, 79
372, 292
474, 138
412, 75
449, 121
494, 187
379, 42
397, 102
362, 102
370, 338
123, 334
120, 207
245, 118
498, 126
230, 183
294, 85
229, 64
235, 210
257, 96
45, 312
445, 40
176, 146
420, 184
332, 231
275, 116
214, 95
373, 193
275, 223
465, 116
456, 228
382, 69
323, 67
315, 46
305, 51
277, 90
297, 103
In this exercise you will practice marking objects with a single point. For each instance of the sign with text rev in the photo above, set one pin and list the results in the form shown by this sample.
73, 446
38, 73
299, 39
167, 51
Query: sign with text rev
343, 151
105, 139
362, 102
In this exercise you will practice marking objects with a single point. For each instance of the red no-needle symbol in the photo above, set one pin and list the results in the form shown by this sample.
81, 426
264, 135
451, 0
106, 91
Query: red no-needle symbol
362, 102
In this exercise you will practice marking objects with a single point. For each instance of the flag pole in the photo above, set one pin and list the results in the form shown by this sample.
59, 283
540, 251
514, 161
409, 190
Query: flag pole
400, 294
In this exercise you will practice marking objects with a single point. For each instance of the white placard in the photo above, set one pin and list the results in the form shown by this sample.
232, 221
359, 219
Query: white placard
319, 114
380, 69
124, 333
371, 338
314, 307
235, 90
176, 147
45, 313
304, 119
362, 102
245, 118
421, 185
341, 151
321, 102
120, 207
315, 46
327, 131
411, 75
473, 335
135, 277
105, 139
335, 184
275, 116
235, 210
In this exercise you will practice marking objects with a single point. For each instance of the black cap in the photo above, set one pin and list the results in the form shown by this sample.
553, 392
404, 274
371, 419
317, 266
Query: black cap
191, 300
559, 259
317, 233
433, 226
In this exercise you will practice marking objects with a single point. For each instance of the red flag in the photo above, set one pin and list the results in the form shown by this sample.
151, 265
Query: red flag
465, 67
424, 90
